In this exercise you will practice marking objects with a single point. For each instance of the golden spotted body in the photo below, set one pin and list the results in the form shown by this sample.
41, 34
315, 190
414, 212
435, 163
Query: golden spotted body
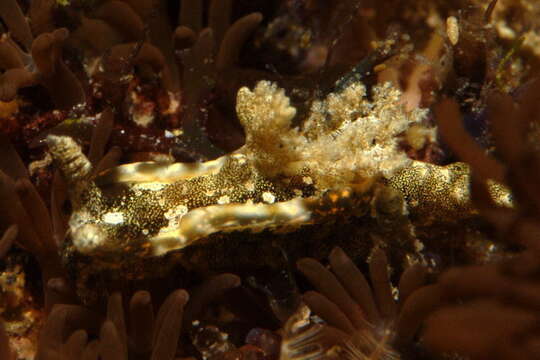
150, 207
283, 178
441, 193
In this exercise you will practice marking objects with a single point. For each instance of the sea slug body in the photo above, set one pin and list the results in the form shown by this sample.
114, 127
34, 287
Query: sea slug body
281, 179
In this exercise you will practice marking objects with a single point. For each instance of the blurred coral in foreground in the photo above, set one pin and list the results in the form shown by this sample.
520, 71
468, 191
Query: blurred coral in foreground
492, 309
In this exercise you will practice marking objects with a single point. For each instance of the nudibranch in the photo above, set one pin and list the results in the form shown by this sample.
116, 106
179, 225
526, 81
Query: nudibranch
283, 178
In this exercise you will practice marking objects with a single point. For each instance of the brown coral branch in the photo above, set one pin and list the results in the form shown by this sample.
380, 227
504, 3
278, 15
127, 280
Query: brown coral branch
168, 325
328, 311
327, 283
395, 322
48, 256
16, 214
130, 54
380, 281
59, 197
12, 15
64, 87
100, 136
156, 19
197, 72
413, 278
46, 49
41, 16
493, 310
198, 80
510, 125
452, 131
203, 71
91, 352
191, 14
22, 205
110, 345
184, 38
9, 56
5, 350
13, 80
115, 315
111, 159
37, 212
65, 331
95, 36
202, 295
525, 265
142, 322
415, 309
59, 291
493, 330
515, 149
123, 18
508, 129
473, 281
75, 345
355, 282
7, 240
219, 16
61, 323
234, 38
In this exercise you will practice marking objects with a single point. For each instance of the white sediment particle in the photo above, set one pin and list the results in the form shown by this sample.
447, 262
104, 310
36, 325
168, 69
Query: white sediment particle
176, 212
168, 134
224, 200
113, 218
240, 158
174, 216
173, 104
88, 237
250, 186
142, 119
307, 180
268, 197
140, 115
150, 186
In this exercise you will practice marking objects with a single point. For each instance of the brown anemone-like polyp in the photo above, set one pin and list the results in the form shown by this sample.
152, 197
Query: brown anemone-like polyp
5, 350
41, 231
491, 312
369, 315
512, 121
208, 57
132, 333
7, 240
45, 66
63, 86
13, 17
